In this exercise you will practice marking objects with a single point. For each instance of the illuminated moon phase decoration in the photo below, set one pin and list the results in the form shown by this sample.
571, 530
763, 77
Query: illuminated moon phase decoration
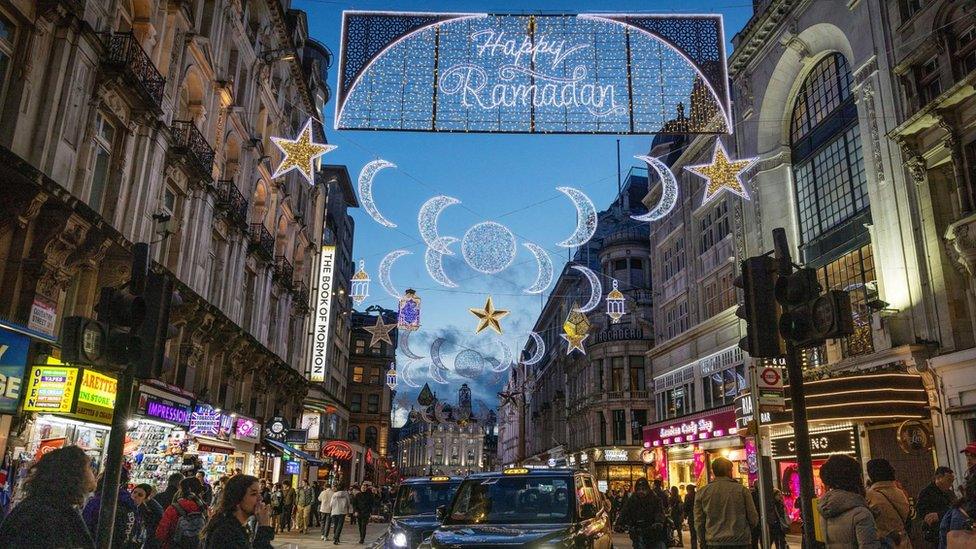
384, 272
434, 260
366, 190
596, 289
435, 374
435, 353
488, 247
544, 277
430, 212
540, 349
506, 360
669, 190
405, 375
469, 363
404, 345
586, 218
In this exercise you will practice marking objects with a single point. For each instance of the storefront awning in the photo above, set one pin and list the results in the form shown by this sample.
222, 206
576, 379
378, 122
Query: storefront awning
312, 460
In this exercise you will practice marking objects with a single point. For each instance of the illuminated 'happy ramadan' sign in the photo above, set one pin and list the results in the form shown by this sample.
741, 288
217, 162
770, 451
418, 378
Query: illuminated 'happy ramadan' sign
637, 74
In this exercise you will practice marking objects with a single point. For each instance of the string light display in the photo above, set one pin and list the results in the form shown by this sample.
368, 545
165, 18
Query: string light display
540, 349
359, 285
616, 308
386, 265
489, 316
434, 260
380, 332
403, 345
596, 288
469, 363
669, 190
576, 329
545, 271
408, 313
300, 153
488, 247
427, 219
405, 376
722, 173
586, 218
365, 188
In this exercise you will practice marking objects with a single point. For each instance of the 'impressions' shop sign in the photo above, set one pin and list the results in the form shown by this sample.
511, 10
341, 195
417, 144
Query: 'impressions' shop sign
323, 316
691, 429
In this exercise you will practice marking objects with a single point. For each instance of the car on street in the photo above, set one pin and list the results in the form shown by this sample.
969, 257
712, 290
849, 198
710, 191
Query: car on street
520, 507
415, 510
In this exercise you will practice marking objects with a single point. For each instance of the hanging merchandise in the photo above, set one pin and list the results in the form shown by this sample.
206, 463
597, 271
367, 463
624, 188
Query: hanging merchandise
576, 329
616, 308
379, 332
722, 173
366, 190
300, 153
391, 377
586, 218
489, 316
669, 190
359, 290
408, 315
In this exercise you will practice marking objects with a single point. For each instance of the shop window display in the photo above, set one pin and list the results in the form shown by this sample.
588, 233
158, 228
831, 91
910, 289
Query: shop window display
155, 451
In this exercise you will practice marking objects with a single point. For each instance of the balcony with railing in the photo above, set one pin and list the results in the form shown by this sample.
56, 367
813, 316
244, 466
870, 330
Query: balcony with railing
124, 55
260, 241
231, 202
301, 297
192, 145
284, 273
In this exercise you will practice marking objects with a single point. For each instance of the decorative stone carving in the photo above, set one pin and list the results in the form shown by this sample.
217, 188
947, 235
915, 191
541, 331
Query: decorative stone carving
961, 239
867, 99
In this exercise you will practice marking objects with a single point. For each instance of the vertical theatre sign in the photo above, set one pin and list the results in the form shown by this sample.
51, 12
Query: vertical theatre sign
498, 73
323, 315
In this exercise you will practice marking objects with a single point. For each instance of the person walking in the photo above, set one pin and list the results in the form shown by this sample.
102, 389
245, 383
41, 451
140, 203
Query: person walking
661, 494
957, 524
165, 498
724, 511
677, 516
150, 513
848, 522
126, 526
779, 523
304, 500
208, 492
48, 517
341, 505
287, 506
185, 518
644, 518
325, 510
241, 502
363, 505
932, 503
689, 511
889, 503
317, 489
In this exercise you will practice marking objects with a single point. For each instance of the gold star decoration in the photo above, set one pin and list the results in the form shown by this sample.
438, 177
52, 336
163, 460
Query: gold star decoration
722, 173
488, 316
380, 332
300, 153
576, 329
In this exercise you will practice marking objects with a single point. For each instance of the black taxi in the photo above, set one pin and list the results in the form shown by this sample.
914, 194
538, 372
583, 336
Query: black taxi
415, 510
532, 508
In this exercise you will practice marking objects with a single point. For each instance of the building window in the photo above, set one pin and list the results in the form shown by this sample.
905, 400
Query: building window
104, 144
674, 393
357, 374
617, 374
360, 346
909, 8
826, 88
373, 404
676, 319
965, 50
374, 375
602, 419
371, 437
598, 364
6, 50
356, 402
637, 381
638, 419
674, 258
714, 226
721, 388
719, 293
927, 83
855, 273
620, 426
353, 434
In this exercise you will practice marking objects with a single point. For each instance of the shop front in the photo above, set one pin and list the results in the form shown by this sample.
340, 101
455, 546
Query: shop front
246, 436
347, 461
211, 448
157, 434
14, 348
615, 468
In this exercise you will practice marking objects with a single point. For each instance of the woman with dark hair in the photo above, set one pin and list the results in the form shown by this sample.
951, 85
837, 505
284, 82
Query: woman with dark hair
126, 527
677, 515
240, 500
48, 517
187, 509
890, 505
689, 509
150, 513
849, 522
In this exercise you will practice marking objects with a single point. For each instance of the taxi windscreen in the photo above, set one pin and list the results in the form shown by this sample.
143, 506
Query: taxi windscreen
513, 500
422, 499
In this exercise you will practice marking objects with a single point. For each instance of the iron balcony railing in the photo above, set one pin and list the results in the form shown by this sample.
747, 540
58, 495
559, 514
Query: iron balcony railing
283, 271
301, 297
188, 141
261, 241
232, 201
126, 55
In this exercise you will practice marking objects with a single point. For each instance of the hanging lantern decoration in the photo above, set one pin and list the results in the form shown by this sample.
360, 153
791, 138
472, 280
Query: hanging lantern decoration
408, 317
391, 377
360, 284
616, 307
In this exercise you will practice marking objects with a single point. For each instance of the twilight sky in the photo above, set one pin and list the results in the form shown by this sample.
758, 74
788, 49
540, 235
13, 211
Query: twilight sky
510, 179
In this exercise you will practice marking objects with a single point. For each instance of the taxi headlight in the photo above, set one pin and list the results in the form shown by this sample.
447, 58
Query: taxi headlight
400, 539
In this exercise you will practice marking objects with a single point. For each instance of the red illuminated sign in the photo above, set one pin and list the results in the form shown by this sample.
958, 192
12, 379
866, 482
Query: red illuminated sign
337, 449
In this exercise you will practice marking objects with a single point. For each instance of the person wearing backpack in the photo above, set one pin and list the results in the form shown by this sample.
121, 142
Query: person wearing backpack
891, 508
241, 502
126, 514
183, 521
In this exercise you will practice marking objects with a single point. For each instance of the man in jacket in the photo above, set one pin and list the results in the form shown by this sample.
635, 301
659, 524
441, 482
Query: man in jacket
287, 506
643, 517
724, 512
325, 510
165, 498
363, 505
932, 504
304, 499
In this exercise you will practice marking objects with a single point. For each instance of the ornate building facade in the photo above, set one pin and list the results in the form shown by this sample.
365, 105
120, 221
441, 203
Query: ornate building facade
441, 448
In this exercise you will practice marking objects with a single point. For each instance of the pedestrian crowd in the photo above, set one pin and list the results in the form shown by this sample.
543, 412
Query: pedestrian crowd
63, 499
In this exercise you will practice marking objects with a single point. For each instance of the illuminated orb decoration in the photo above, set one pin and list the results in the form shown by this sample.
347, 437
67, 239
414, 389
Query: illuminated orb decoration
380, 332
616, 306
386, 265
469, 363
427, 218
586, 218
300, 153
434, 261
489, 316
669, 190
596, 288
359, 285
408, 314
544, 277
365, 188
576, 329
403, 345
488, 247
526, 73
540, 349
722, 173
391, 377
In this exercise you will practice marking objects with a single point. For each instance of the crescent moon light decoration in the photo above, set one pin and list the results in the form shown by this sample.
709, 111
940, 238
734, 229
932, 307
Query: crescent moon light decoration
427, 218
596, 289
506, 359
434, 260
405, 376
366, 190
385, 266
540, 349
669, 190
586, 218
439, 414
404, 345
435, 374
544, 277
435, 353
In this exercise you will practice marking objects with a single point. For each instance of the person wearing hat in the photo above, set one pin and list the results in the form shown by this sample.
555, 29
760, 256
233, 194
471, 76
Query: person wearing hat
970, 452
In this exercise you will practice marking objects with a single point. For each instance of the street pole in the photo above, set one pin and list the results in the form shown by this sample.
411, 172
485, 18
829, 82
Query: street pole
801, 430
113, 459
757, 417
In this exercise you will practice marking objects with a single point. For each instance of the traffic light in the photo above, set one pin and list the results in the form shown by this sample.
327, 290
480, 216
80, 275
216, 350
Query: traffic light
811, 316
160, 300
758, 282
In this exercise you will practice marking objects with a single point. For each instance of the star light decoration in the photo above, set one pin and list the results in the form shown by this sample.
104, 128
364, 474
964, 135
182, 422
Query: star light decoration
576, 329
722, 173
300, 153
489, 316
380, 332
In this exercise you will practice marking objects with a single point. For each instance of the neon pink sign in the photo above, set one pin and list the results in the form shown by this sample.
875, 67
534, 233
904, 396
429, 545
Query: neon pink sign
691, 429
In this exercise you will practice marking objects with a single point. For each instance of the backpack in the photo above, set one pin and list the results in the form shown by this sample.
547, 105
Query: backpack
186, 535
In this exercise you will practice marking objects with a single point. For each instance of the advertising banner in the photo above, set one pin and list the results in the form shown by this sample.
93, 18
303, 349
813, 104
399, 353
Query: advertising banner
323, 316
13, 361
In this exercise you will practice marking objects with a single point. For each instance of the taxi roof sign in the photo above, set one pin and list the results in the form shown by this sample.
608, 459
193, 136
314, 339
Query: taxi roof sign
440, 479
516, 471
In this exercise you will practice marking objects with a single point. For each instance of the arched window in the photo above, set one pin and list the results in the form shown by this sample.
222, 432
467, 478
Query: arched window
831, 190
353, 434
371, 437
